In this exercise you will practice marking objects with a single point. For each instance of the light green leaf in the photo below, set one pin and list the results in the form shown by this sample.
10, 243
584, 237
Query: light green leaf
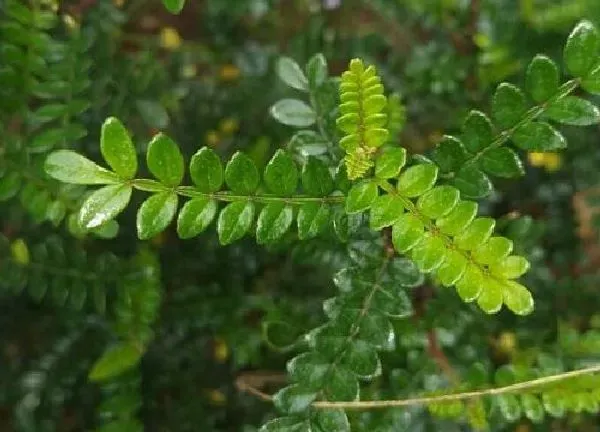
234, 221
509, 405
241, 174
206, 170
581, 49
502, 162
490, 300
117, 148
174, 6
518, 298
153, 113
281, 174
508, 105
316, 178
573, 110
493, 251
591, 82
389, 163
195, 216
471, 283
291, 74
438, 202
316, 69
450, 154
361, 196
453, 268
533, 408
385, 211
103, 205
472, 182
155, 214
542, 79
510, 267
293, 112
312, 219
274, 221
477, 233
477, 130
407, 232
70, 167
294, 399
115, 361
429, 253
417, 180
165, 161
538, 136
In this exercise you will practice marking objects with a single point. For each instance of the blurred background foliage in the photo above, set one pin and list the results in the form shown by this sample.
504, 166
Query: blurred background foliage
207, 77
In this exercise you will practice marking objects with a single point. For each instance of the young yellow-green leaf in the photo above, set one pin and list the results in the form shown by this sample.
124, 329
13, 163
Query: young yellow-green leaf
316, 178
508, 105
477, 233
591, 82
389, 163
241, 174
472, 182
361, 196
581, 49
502, 162
206, 170
273, 222
115, 361
293, 112
491, 298
518, 298
429, 254
477, 131
117, 148
471, 283
294, 398
538, 136
542, 79
449, 154
174, 6
165, 161
417, 180
70, 167
312, 219
510, 267
291, 74
103, 205
234, 221
281, 174
452, 268
155, 214
195, 216
407, 232
573, 110
492, 251
438, 201
385, 211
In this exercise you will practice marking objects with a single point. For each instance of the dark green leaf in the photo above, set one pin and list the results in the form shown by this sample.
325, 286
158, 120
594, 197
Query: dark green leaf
312, 219
573, 110
234, 221
155, 214
294, 399
389, 163
581, 49
281, 174
542, 78
241, 174
70, 167
195, 216
206, 170
330, 420
309, 368
361, 196
280, 335
472, 183
532, 407
316, 69
362, 359
153, 113
508, 105
449, 154
291, 74
274, 221
509, 405
118, 149
287, 424
477, 131
293, 112
115, 361
316, 178
341, 385
385, 211
103, 205
165, 161
538, 136
502, 162
591, 82
9, 185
